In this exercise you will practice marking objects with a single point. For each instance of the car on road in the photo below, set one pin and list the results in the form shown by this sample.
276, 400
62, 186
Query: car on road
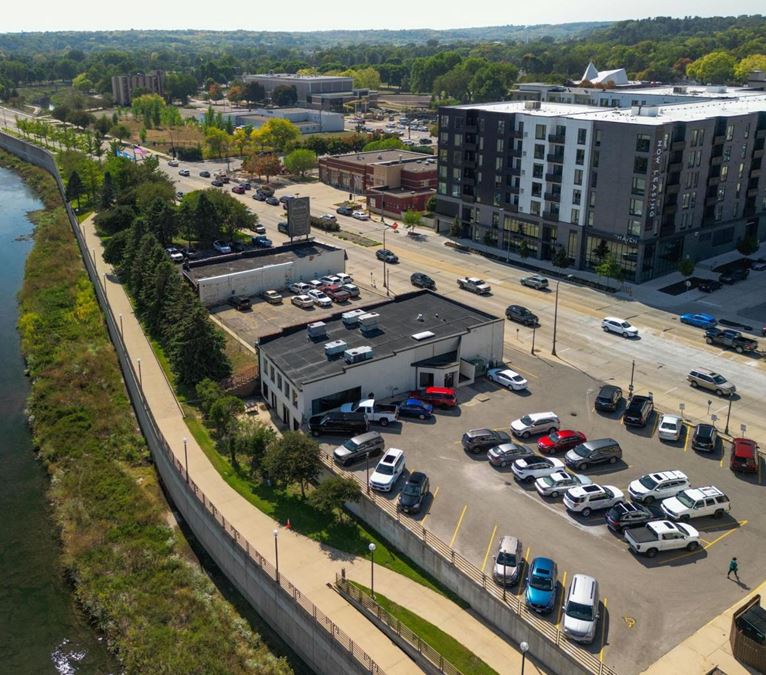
282, 227
238, 189
534, 424
204, 174
344, 210
359, 447
657, 486
588, 498
319, 298
559, 482
217, 182
732, 339
175, 255
625, 515
439, 397
388, 470
184, 172
414, 493
300, 287
172, 162
507, 378
696, 503
744, 456
541, 585
386, 256
608, 398
662, 535
240, 302
422, 280
581, 609
507, 453
600, 451
559, 441
474, 285
302, 300
611, 324
699, 320
190, 253
530, 469
708, 285
534, 281
360, 215
670, 427
734, 275
638, 412
521, 315
272, 297
266, 191
259, 196
705, 438
221, 246
328, 219
286, 198
712, 381
262, 241
479, 440
413, 407
508, 561
272, 201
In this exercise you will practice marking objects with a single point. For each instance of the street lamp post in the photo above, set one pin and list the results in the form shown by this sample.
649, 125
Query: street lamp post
372, 548
186, 460
728, 416
524, 647
556, 314
534, 328
140, 379
385, 266
632, 372
276, 552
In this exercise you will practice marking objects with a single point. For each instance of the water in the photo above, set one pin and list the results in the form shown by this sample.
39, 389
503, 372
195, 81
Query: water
41, 628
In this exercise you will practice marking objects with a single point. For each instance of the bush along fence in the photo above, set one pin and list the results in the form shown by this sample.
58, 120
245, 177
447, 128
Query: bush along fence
314, 636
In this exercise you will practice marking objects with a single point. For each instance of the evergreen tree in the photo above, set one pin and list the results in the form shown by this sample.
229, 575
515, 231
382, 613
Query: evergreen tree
107, 191
74, 188
197, 349
162, 220
205, 220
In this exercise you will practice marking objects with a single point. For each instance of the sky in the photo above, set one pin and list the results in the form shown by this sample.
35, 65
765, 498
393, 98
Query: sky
305, 15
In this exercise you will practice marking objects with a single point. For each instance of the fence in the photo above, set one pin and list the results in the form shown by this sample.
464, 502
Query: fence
355, 655
377, 613
468, 571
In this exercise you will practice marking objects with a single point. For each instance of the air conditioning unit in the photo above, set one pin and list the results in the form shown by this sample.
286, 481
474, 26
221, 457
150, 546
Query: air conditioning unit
357, 354
317, 330
368, 322
351, 319
334, 348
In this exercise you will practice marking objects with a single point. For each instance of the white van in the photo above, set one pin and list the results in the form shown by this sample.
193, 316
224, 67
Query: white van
581, 609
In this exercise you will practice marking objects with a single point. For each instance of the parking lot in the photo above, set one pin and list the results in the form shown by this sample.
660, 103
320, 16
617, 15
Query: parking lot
648, 605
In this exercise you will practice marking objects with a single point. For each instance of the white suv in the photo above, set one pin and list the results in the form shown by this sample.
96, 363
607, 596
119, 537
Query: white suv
695, 503
388, 470
530, 468
535, 423
588, 498
611, 324
660, 485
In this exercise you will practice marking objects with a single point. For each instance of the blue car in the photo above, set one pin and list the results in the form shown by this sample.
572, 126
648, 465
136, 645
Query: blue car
262, 241
541, 585
699, 320
413, 407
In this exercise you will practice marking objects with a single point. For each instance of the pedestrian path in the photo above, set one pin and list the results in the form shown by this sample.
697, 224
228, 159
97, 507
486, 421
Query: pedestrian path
308, 564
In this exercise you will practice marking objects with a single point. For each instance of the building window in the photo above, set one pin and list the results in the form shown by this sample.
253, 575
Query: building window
693, 200
442, 187
724, 172
537, 189
723, 236
636, 207
596, 158
640, 165
597, 141
580, 157
592, 199
539, 151
500, 145
540, 132
443, 155
457, 157
498, 163
639, 186
643, 142
729, 132
591, 218
575, 216
534, 208
501, 127
456, 189
458, 140
456, 173
634, 227
444, 121
726, 154
578, 177
481, 125
576, 197
685, 200
694, 136
537, 171
721, 193
582, 136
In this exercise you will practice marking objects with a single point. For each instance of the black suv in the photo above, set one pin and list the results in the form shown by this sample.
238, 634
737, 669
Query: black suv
413, 493
734, 275
638, 412
423, 281
705, 438
625, 515
240, 302
521, 315
338, 424
608, 398
344, 210
477, 440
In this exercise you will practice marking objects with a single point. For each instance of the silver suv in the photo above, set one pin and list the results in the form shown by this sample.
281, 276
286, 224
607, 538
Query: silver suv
712, 381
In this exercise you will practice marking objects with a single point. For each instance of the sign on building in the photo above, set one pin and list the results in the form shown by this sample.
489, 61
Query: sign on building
298, 217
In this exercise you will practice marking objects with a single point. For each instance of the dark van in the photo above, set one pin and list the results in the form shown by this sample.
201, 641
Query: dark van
338, 424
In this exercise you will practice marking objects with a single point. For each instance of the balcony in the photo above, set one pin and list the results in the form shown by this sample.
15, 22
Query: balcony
672, 189
554, 177
716, 161
557, 158
513, 133
761, 133
674, 167
551, 215
713, 181
552, 196
678, 145
758, 154
755, 173
557, 138
514, 171
718, 140
515, 152
512, 208
752, 192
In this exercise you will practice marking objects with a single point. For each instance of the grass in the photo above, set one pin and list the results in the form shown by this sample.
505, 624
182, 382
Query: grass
454, 652
354, 238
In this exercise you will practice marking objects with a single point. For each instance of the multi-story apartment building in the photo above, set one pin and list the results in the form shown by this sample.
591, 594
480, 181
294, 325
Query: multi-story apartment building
123, 86
650, 185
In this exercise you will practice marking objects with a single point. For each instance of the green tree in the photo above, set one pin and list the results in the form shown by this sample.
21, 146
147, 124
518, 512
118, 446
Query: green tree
610, 268
713, 68
293, 458
120, 131
560, 257
747, 65
686, 266
431, 204
278, 134
114, 248
748, 245
208, 392
384, 144
107, 191
74, 188
251, 439
412, 219
332, 493
205, 219
197, 349
263, 166
253, 92
284, 95
217, 141
162, 221
524, 249
601, 251
223, 417
300, 160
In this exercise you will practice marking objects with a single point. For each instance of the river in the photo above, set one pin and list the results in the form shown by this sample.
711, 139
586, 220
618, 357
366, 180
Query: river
41, 627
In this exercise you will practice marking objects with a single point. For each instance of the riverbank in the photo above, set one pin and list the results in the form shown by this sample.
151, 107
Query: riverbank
131, 571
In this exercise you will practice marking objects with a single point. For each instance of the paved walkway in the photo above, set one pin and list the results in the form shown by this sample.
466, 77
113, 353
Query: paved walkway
708, 648
306, 563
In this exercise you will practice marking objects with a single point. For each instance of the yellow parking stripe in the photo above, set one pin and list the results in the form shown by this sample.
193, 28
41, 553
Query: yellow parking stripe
489, 546
526, 557
688, 438
603, 634
457, 527
563, 593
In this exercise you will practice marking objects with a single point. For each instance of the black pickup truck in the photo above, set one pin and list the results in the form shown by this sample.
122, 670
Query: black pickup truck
732, 339
638, 412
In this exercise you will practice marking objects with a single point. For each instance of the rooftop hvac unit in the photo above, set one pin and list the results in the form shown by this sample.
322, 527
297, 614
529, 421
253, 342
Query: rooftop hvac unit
531, 105
357, 354
318, 329
351, 319
334, 348
679, 90
368, 322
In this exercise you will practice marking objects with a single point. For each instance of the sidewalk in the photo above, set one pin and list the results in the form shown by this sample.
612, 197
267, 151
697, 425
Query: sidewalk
305, 562
707, 649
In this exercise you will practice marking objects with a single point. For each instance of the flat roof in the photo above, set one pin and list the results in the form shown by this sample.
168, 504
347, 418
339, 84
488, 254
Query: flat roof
382, 157
303, 360
230, 263
303, 78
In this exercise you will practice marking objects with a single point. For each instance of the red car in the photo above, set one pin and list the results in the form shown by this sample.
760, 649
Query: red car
336, 292
744, 456
438, 397
238, 189
558, 441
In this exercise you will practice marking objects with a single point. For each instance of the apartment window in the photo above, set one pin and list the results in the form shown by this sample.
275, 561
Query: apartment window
456, 189
738, 190
643, 142
498, 180
539, 151
443, 155
694, 136
727, 153
442, 171
578, 177
498, 163
689, 178
591, 218
481, 143
718, 215
594, 179
582, 136
457, 157
724, 172
443, 138
634, 227
572, 245
537, 171
592, 199
580, 157
500, 145
685, 200
442, 187
457, 173
729, 132
458, 123
596, 158
495, 219
721, 193
458, 140
576, 197
295, 397
639, 186
747, 130
501, 127
640, 164
693, 200
740, 170
636, 207
279, 381
481, 125
537, 189
534, 208
444, 121
540, 132
575, 216
702, 137
597, 141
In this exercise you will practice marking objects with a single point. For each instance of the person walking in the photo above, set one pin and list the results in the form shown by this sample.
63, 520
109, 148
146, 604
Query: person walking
733, 567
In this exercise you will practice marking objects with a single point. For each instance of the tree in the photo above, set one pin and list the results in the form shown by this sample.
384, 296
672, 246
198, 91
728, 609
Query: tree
601, 251
205, 219
560, 257
455, 229
686, 266
114, 248
332, 493
610, 268
284, 95
293, 458
208, 392
524, 249
264, 165
251, 439
713, 68
747, 65
107, 191
253, 92
748, 245
412, 219
431, 204
197, 349
74, 188
300, 160
162, 221
384, 144
217, 141
223, 417
120, 131
278, 134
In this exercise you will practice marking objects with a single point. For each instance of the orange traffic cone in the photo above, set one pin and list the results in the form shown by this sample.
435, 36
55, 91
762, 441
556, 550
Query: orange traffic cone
289, 525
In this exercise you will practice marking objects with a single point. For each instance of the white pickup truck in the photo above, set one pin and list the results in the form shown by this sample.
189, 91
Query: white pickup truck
376, 413
662, 535
474, 285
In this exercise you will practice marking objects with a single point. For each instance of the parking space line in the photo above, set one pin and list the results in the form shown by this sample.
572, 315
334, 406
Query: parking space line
489, 546
563, 593
708, 545
457, 527
688, 438
603, 634
655, 425
526, 556
433, 499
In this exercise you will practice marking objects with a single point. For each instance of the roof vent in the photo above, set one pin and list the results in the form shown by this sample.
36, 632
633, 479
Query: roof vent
423, 336
317, 330
334, 348
531, 105
357, 354
351, 319
368, 322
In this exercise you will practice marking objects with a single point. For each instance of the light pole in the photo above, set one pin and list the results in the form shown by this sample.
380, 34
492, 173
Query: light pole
122, 334
372, 548
524, 647
367, 471
276, 551
632, 372
140, 379
534, 328
728, 415
186, 461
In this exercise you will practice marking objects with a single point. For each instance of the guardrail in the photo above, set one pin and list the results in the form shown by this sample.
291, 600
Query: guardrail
468, 569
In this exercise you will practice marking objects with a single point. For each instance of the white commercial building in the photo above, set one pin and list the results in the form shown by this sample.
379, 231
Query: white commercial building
416, 340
